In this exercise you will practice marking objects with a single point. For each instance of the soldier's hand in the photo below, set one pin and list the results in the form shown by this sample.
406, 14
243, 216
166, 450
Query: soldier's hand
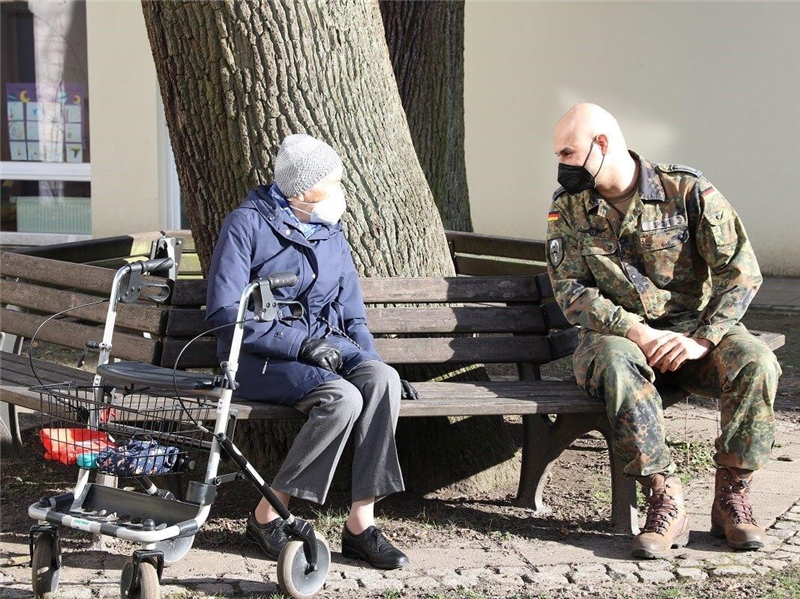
646, 337
673, 350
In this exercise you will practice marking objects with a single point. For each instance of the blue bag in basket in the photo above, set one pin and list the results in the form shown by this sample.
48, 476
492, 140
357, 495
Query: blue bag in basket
140, 457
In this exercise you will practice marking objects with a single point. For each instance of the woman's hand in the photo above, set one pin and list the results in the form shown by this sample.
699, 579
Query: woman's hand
408, 392
319, 352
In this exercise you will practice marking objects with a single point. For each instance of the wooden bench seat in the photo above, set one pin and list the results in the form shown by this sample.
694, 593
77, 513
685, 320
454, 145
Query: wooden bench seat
455, 321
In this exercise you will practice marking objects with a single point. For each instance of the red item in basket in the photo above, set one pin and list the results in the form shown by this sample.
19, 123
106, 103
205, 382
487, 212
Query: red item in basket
66, 444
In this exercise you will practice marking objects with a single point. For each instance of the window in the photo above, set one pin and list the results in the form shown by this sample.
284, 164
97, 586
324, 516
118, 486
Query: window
44, 145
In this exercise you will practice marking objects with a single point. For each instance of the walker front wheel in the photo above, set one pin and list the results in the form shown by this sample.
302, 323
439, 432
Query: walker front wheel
45, 568
294, 577
147, 584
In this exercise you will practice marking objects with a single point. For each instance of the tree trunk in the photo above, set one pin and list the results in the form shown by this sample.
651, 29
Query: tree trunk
238, 76
426, 45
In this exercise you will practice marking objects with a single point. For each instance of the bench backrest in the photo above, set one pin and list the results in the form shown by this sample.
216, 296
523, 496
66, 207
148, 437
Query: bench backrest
459, 320
34, 288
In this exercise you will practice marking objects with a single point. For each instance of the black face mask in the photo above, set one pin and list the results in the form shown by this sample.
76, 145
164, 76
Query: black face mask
576, 179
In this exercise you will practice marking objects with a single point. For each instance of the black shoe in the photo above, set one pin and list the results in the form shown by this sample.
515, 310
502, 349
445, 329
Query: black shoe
374, 548
270, 536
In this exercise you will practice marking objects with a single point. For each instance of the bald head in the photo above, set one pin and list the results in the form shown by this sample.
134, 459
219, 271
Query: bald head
584, 129
587, 121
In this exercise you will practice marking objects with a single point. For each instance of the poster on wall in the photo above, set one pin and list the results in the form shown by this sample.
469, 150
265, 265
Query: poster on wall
46, 123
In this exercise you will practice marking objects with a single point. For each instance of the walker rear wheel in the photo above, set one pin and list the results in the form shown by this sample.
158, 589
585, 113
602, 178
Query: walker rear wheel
293, 576
175, 549
44, 566
147, 583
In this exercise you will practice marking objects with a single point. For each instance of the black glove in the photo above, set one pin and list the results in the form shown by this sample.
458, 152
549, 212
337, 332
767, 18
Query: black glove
408, 391
320, 353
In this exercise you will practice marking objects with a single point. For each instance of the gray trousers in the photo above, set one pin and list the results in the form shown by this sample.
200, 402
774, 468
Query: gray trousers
365, 403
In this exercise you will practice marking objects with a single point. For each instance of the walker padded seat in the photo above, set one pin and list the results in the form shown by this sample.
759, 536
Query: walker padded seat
149, 375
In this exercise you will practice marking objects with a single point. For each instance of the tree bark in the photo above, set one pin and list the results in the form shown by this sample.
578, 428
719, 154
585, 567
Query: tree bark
236, 77
426, 45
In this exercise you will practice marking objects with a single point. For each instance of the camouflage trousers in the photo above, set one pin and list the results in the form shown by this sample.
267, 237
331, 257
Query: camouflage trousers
741, 371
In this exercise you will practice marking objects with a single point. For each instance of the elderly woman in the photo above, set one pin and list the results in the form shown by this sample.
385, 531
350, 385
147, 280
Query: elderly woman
323, 364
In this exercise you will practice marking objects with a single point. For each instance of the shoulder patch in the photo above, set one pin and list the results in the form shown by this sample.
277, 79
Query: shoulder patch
708, 190
678, 168
558, 192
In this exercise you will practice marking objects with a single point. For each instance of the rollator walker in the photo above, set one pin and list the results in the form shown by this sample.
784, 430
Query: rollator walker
138, 420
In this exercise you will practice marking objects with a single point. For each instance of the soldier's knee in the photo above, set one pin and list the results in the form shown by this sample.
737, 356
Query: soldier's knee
760, 368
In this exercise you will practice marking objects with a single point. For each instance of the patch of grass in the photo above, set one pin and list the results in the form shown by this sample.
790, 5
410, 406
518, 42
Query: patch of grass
502, 535
423, 518
602, 496
692, 458
675, 592
393, 594
329, 522
786, 584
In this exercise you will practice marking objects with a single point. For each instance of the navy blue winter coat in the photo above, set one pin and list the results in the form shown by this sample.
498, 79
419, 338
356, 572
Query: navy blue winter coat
259, 239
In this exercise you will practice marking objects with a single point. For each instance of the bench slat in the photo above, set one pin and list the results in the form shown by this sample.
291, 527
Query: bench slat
773, 340
495, 319
492, 245
47, 371
475, 399
421, 290
70, 334
137, 244
480, 267
56, 273
418, 290
418, 350
141, 317
183, 322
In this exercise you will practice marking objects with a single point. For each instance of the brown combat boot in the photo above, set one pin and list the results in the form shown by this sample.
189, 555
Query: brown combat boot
732, 513
667, 524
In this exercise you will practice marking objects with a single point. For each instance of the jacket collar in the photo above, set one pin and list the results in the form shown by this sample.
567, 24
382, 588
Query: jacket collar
649, 187
259, 199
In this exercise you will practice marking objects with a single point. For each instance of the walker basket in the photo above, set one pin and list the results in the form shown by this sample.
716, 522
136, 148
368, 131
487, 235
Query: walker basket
136, 432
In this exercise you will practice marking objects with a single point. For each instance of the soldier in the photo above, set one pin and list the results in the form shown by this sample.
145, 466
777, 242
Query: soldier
655, 266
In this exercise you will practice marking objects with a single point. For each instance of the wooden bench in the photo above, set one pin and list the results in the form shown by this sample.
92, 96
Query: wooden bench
465, 320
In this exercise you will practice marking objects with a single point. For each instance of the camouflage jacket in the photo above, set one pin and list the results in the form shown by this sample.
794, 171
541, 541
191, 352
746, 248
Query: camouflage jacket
681, 260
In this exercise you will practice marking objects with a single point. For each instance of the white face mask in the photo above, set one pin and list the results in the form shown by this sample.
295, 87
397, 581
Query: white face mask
329, 210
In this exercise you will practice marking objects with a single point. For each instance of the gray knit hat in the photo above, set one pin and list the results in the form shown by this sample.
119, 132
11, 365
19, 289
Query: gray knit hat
302, 162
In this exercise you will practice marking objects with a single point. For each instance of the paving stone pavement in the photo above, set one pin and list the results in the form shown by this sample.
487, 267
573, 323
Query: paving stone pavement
204, 573
86, 584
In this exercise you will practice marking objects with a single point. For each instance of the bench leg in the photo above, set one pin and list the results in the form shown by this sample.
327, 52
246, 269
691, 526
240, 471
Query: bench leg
624, 514
10, 438
544, 441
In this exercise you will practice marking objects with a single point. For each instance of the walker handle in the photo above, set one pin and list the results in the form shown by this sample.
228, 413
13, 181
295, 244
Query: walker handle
152, 266
281, 279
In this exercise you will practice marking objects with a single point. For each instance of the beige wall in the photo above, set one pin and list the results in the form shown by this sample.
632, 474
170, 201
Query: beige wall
712, 85
124, 134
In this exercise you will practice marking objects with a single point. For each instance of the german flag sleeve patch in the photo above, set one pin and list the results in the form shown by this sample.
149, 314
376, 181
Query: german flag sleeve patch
553, 216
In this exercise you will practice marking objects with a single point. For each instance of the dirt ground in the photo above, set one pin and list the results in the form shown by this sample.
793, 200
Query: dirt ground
579, 497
